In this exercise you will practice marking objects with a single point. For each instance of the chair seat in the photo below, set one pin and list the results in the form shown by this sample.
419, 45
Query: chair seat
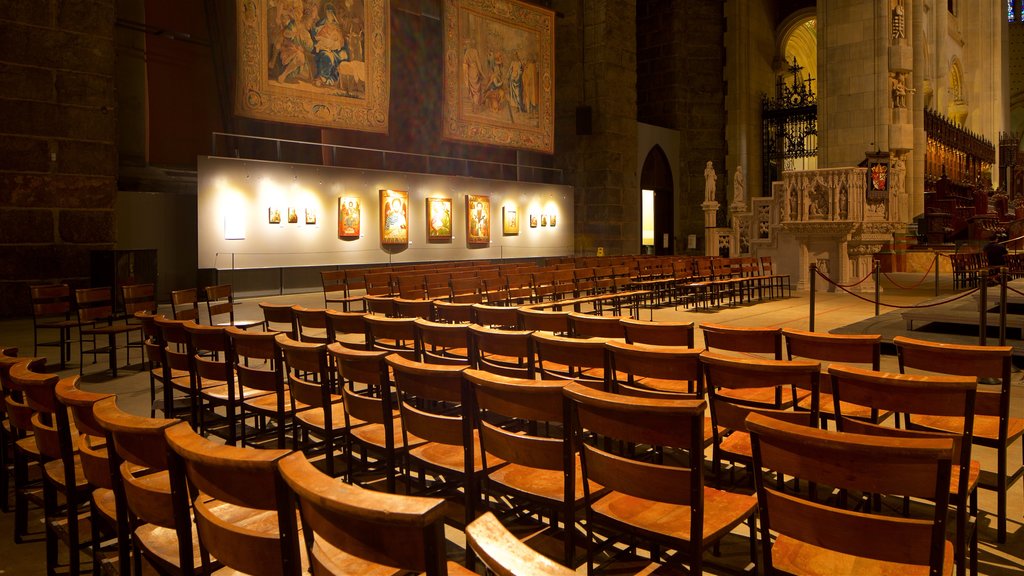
313, 418
986, 428
539, 483
447, 456
352, 340
791, 556
266, 403
220, 393
664, 385
243, 324
762, 396
28, 446
160, 545
373, 434
330, 560
738, 445
105, 504
55, 473
723, 511
114, 329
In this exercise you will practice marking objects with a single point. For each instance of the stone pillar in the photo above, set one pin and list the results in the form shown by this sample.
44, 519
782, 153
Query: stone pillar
710, 224
58, 160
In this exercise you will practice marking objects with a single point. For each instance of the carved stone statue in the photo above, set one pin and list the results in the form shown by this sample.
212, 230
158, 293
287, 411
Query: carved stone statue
898, 81
739, 194
898, 172
709, 182
898, 21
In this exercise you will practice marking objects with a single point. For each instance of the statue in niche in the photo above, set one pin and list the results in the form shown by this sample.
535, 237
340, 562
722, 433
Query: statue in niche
899, 22
738, 187
898, 82
844, 212
897, 174
709, 182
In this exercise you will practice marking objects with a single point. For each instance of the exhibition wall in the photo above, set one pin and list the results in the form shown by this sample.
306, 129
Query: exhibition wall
258, 215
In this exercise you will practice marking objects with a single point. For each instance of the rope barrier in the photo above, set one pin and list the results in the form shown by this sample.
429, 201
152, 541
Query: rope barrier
897, 306
857, 283
919, 282
1014, 290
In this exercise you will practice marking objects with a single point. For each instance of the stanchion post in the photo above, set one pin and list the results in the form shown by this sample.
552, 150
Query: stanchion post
936, 265
878, 287
1002, 306
810, 318
983, 312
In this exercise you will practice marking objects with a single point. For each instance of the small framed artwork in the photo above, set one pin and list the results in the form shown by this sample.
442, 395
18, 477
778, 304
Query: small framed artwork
543, 219
533, 220
509, 220
310, 215
274, 215
293, 216
348, 217
439, 219
551, 219
478, 219
394, 217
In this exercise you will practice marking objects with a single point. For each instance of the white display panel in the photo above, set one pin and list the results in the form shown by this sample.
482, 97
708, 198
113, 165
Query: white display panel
235, 198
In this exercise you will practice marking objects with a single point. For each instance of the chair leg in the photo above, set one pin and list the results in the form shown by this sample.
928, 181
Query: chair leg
49, 516
1001, 492
5, 473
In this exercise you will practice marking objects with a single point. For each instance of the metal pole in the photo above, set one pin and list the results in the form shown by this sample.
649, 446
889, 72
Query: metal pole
1002, 306
936, 273
983, 312
810, 318
878, 287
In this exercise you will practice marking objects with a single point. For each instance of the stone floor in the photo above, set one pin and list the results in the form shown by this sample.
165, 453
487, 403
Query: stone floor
833, 311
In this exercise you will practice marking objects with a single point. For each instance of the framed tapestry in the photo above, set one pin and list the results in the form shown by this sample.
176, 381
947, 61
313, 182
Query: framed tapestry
439, 219
348, 217
315, 62
509, 220
394, 217
499, 74
478, 219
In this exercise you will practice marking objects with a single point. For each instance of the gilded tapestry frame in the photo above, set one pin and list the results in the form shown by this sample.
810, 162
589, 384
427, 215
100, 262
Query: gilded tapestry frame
327, 65
499, 74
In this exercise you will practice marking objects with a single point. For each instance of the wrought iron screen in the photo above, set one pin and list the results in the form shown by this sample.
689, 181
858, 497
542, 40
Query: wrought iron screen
789, 125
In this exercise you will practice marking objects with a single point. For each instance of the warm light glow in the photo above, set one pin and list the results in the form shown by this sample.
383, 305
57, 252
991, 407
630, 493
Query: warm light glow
647, 217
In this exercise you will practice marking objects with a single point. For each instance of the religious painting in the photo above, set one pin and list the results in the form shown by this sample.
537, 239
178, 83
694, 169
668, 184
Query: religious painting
274, 215
293, 215
315, 62
533, 220
310, 216
348, 217
478, 219
552, 218
394, 217
509, 220
543, 219
499, 74
439, 219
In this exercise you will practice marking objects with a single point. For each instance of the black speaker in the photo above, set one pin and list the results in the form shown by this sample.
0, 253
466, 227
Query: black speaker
584, 120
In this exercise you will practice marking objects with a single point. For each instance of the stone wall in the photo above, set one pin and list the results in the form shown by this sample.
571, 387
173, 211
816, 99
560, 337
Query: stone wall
58, 160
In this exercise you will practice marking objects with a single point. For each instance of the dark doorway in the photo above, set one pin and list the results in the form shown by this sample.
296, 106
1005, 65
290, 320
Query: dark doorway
656, 175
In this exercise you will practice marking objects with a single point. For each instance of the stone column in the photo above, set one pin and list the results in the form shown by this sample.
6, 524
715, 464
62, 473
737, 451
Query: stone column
710, 225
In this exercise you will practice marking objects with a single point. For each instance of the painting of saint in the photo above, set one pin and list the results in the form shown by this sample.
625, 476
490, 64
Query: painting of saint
439, 218
348, 217
293, 216
310, 216
316, 62
478, 219
274, 215
509, 220
533, 220
499, 73
394, 217
551, 218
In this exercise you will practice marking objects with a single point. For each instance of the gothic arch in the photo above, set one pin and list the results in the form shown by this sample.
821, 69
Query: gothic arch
797, 36
656, 174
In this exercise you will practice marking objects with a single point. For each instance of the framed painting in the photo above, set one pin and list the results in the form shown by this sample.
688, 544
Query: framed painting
274, 215
439, 219
315, 62
499, 74
478, 219
310, 215
293, 216
394, 217
533, 220
348, 217
509, 220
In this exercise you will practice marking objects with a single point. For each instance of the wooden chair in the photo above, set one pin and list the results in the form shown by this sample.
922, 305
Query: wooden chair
395, 335
562, 358
993, 425
545, 320
97, 321
352, 530
666, 504
414, 308
438, 343
311, 325
728, 411
522, 461
519, 289
341, 287
661, 333
349, 328
355, 282
437, 285
774, 279
503, 317
25, 453
142, 488
185, 304
849, 349
507, 352
319, 410
917, 397
176, 369
812, 538
504, 555
138, 299
382, 305
673, 369
453, 312
592, 325
51, 310
279, 318
411, 286
242, 508
466, 290
372, 421
151, 350
259, 367
94, 461
751, 342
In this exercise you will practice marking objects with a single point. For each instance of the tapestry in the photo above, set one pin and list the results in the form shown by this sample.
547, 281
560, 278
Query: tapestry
499, 77
315, 62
